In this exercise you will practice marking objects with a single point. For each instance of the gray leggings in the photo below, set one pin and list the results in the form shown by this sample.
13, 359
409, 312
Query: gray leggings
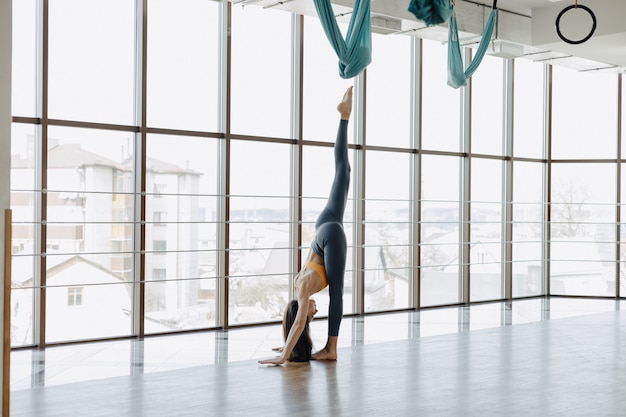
330, 239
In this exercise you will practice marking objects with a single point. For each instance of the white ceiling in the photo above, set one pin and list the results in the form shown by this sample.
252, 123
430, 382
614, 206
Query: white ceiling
525, 6
525, 28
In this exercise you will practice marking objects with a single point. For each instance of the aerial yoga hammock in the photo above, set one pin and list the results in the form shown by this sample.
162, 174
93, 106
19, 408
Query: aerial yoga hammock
433, 12
355, 53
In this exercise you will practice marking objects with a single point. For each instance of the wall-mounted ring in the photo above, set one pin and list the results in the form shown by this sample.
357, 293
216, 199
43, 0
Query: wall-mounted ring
558, 24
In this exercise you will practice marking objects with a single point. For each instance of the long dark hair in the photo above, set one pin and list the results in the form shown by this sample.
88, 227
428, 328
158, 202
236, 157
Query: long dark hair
302, 350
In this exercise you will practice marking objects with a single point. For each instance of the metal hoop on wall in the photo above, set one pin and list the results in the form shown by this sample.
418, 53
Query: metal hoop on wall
558, 24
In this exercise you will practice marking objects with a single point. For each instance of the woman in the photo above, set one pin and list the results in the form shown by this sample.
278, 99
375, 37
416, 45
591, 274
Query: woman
326, 263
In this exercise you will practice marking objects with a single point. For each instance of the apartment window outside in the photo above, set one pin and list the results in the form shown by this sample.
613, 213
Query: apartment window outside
159, 218
159, 274
75, 296
159, 245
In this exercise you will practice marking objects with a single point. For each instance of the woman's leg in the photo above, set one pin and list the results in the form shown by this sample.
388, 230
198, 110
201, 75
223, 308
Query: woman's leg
336, 204
330, 236
333, 237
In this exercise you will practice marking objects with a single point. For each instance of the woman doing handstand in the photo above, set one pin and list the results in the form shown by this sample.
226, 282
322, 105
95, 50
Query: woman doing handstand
326, 263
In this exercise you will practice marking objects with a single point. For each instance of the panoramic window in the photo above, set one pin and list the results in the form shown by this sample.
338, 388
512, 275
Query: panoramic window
528, 109
388, 98
487, 111
97, 84
527, 229
182, 292
182, 51
259, 231
387, 231
440, 110
486, 230
261, 75
24, 60
107, 202
584, 115
582, 246
439, 239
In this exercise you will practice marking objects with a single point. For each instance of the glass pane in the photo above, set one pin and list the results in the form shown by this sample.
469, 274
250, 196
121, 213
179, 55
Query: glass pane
24, 59
623, 120
182, 64
259, 231
439, 240
181, 208
89, 234
388, 220
388, 98
77, 310
23, 202
486, 230
90, 202
322, 85
487, 111
91, 75
527, 228
622, 226
582, 247
584, 114
441, 123
23, 195
22, 300
528, 109
260, 92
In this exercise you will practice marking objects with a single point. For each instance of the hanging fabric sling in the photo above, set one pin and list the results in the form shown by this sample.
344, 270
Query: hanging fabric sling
355, 52
431, 12
456, 76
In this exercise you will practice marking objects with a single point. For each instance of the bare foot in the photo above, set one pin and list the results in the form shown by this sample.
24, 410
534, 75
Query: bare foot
345, 107
324, 355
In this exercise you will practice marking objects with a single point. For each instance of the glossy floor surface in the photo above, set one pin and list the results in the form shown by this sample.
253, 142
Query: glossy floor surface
540, 357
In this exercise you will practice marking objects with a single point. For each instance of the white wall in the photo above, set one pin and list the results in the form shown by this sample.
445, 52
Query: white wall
5, 134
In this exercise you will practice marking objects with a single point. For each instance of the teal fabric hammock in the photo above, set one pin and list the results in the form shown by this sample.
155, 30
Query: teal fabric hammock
433, 12
456, 76
355, 52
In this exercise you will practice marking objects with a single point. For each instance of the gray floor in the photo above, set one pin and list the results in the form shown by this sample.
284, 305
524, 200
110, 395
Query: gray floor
558, 357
